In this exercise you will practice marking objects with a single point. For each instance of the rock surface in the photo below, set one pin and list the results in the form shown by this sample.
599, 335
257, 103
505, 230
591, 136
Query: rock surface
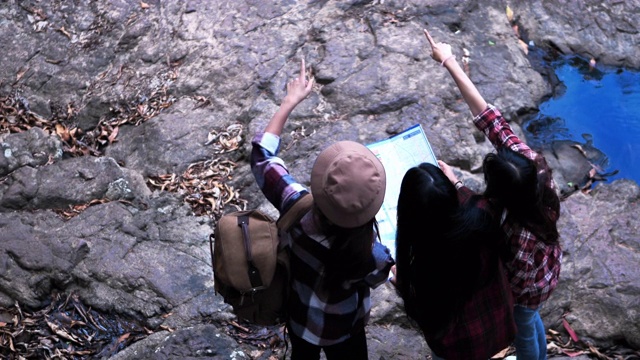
169, 74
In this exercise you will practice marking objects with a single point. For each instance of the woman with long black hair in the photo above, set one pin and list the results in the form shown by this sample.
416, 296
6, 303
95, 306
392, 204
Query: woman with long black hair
448, 269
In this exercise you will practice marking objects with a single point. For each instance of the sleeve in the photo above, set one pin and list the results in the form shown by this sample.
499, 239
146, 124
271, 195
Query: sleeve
271, 174
464, 194
499, 132
384, 262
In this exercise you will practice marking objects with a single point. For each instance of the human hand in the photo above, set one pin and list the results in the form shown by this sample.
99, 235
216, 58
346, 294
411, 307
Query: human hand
299, 88
439, 51
392, 280
448, 172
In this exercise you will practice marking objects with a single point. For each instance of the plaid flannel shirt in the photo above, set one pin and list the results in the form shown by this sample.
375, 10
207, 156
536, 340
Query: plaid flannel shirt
484, 325
318, 316
534, 266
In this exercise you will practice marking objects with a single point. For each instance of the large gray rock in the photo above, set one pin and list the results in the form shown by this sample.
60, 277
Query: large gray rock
202, 341
31, 148
605, 31
74, 181
599, 288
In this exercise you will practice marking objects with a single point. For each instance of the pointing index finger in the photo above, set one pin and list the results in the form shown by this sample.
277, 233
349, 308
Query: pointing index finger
426, 33
303, 72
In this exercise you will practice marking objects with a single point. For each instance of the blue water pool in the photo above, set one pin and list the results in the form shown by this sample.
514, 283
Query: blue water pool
598, 104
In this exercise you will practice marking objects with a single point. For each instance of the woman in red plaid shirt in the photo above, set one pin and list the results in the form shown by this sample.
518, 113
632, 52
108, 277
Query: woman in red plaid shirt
520, 181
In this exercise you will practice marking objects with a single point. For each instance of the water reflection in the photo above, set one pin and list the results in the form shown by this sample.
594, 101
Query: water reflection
599, 106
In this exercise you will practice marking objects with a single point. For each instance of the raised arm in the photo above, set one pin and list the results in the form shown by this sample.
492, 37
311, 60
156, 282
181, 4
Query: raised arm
442, 53
297, 90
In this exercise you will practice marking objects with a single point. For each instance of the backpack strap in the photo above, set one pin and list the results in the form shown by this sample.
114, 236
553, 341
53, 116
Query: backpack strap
254, 273
295, 212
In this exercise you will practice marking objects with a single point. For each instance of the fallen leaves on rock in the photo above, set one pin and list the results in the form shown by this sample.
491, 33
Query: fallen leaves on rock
571, 345
16, 116
203, 186
74, 210
298, 135
269, 340
65, 329
204, 183
225, 141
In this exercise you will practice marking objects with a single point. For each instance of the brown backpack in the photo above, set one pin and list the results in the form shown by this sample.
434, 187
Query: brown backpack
250, 266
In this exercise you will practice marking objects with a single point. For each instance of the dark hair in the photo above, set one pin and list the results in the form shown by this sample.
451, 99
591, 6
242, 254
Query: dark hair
516, 182
438, 244
349, 255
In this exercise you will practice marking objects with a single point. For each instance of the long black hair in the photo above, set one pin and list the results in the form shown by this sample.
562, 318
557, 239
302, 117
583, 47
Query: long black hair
349, 256
516, 182
438, 245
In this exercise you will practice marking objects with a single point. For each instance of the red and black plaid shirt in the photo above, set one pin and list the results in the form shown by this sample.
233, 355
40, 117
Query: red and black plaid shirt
534, 266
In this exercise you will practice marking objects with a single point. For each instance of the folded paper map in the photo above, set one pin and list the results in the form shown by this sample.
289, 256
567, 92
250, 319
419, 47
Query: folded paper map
398, 154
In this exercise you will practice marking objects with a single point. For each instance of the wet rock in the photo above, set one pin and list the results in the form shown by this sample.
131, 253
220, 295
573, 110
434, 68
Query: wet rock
607, 32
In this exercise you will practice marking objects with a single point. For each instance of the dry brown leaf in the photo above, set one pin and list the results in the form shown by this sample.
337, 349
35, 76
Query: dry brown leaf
573, 353
81, 352
62, 333
113, 135
238, 326
21, 73
597, 353
144, 5
62, 132
70, 110
213, 203
509, 13
164, 316
65, 32
77, 322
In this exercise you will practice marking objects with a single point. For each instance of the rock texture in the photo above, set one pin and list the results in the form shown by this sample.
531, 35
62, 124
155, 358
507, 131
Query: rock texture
189, 69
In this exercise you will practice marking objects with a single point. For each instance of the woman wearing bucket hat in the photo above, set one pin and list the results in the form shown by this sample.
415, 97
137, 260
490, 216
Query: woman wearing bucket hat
335, 258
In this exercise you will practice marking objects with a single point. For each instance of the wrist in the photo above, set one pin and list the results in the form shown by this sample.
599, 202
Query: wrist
448, 58
458, 184
288, 102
